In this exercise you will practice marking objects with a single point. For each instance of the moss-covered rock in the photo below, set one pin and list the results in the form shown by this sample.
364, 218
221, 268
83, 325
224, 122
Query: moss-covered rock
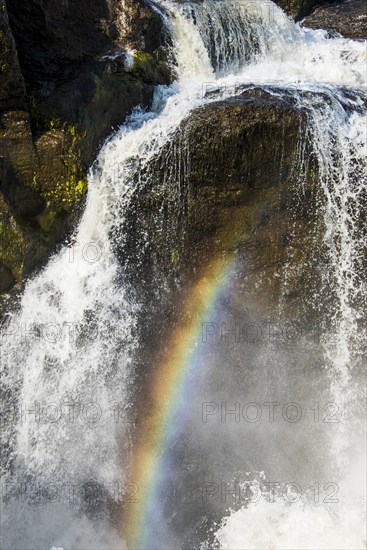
64, 86
42, 183
13, 242
150, 68
7, 279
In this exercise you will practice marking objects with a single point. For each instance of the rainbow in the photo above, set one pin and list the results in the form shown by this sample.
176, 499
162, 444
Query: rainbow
169, 392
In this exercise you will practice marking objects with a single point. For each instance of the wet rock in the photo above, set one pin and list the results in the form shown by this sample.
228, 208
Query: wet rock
12, 87
232, 169
348, 18
73, 61
56, 40
14, 243
67, 81
297, 9
96, 104
225, 221
7, 279
42, 184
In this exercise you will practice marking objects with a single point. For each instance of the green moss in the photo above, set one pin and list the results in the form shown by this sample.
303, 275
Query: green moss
61, 179
67, 192
150, 69
71, 130
34, 181
81, 187
4, 67
13, 245
175, 257
46, 220
142, 57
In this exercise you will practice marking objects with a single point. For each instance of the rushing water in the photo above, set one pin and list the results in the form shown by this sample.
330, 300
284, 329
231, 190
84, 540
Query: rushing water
72, 340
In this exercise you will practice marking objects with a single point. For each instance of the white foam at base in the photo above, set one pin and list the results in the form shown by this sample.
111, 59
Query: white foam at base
298, 526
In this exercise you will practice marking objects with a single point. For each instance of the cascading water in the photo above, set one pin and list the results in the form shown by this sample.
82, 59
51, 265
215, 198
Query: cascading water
68, 350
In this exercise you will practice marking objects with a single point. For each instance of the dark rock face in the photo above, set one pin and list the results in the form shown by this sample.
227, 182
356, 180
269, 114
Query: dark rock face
348, 18
227, 190
41, 184
64, 86
72, 60
55, 40
297, 9
6, 278
232, 168
11, 80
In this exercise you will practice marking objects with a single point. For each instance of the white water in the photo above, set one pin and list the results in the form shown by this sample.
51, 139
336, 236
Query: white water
246, 43
288, 527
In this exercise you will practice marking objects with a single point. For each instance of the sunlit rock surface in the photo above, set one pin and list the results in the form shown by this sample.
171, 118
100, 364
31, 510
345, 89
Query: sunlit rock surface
348, 18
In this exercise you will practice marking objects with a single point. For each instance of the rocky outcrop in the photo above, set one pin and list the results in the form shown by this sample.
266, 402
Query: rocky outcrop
231, 191
73, 58
345, 17
55, 40
348, 18
297, 9
239, 198
69, 74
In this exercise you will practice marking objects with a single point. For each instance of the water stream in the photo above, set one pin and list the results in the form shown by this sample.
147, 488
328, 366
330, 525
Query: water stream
68, 349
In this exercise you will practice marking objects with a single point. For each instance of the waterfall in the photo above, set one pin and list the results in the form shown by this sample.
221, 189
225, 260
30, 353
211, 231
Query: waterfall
67, 350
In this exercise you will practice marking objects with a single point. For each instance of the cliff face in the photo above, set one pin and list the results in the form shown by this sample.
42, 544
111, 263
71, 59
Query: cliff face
227, 187
64, 85
55, 40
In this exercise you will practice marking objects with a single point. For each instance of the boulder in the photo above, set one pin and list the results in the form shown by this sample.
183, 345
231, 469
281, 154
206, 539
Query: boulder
232, 169
236, 188
348, 18
345, 17
297, 9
